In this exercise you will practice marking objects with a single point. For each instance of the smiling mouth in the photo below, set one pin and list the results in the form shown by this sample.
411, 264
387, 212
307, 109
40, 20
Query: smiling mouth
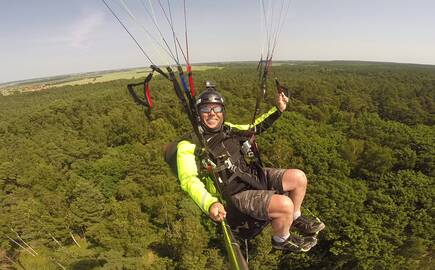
212, 121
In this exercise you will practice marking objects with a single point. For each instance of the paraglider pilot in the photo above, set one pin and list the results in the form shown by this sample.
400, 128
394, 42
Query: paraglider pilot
264, 194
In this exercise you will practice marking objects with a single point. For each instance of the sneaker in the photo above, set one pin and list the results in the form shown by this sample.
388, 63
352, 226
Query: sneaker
307, 226
295, 243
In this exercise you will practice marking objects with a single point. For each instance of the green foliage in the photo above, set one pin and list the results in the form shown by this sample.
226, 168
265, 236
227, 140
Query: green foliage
83, 181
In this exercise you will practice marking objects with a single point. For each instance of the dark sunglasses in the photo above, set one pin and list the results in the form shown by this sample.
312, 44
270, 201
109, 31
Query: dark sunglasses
208, 109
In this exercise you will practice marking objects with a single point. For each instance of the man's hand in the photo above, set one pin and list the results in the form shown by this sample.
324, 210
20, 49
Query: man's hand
281, 101
217, 212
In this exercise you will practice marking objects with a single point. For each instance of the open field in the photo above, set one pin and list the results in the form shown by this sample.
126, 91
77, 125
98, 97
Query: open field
128, 74
80, 79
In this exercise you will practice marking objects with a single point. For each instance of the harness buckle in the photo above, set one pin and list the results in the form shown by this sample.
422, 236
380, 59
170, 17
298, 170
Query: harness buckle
209, 165
229, 165
247, 151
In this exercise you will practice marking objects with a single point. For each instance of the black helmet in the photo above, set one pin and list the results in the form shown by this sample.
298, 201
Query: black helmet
210, 95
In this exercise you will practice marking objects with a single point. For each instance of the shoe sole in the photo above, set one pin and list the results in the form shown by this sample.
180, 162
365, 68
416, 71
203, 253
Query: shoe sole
323, 226
295, 248
314, 234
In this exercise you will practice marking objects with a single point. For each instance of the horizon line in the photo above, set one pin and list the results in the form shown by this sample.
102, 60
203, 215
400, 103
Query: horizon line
34, 79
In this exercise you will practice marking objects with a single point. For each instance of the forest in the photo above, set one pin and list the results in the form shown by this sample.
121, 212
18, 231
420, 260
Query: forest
83, 183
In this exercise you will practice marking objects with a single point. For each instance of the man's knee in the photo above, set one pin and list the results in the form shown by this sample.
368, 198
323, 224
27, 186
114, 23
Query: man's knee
280, 205
301, 177
294, 178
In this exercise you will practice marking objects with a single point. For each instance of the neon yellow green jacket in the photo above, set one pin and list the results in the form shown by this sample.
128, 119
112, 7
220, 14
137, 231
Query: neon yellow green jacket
202, 191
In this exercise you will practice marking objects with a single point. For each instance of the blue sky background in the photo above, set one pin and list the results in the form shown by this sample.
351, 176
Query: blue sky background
52, 37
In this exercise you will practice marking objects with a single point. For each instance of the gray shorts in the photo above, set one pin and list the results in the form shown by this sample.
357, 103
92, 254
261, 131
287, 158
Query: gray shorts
255, 203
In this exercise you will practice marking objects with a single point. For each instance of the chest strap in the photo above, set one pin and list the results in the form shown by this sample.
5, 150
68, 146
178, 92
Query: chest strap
248, 178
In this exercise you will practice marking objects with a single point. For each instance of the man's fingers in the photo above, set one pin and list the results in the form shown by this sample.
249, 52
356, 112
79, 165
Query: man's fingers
283, 98
221, 216
220, 213
217, 212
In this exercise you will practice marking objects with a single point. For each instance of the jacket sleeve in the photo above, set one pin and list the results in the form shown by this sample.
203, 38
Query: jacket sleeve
261, 123
188, 176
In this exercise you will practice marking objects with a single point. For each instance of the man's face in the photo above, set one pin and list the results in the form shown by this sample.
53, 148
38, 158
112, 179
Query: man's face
212, 115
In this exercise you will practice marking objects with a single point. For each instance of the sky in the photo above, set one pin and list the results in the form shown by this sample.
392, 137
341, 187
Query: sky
54, 37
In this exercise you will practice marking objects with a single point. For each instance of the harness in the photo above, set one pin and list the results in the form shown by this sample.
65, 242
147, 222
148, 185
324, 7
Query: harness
239, 169
231, 176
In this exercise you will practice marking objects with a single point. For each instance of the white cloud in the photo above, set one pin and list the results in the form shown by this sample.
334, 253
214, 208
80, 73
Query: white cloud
77, 33
83, 29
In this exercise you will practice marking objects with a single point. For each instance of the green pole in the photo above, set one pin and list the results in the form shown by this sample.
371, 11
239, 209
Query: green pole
237, 261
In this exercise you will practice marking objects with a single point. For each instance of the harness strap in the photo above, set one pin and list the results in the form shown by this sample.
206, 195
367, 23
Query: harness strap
237, 172
247, 178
